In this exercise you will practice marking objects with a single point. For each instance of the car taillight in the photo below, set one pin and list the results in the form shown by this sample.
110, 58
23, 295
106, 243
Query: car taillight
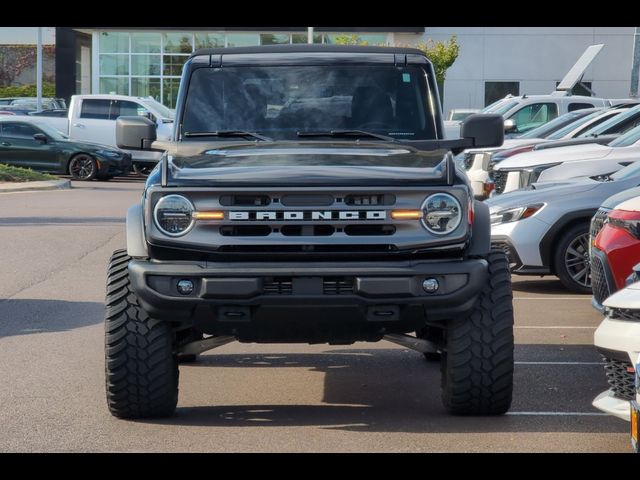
471, 212
625, 220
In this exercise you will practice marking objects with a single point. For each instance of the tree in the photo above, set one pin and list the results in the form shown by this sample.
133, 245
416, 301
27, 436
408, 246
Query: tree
350, 40
441, 54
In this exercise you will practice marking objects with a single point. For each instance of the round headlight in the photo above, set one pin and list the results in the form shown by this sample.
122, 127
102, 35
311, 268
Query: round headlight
442, 213
173, 215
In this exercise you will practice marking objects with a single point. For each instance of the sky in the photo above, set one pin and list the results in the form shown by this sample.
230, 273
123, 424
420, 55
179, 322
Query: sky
15, 35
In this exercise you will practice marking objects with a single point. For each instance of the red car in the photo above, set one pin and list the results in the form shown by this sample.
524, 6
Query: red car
615, 244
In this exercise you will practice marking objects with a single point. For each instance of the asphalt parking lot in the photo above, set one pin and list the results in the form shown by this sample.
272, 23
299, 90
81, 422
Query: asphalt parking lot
266, 398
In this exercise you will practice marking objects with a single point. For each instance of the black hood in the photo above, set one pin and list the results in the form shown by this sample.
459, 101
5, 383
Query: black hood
304, 163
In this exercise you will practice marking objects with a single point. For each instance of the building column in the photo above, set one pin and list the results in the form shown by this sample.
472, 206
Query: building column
65, 62
635, 67
95, 62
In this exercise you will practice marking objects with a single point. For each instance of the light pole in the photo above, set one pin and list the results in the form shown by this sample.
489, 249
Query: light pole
39, 70
635, 65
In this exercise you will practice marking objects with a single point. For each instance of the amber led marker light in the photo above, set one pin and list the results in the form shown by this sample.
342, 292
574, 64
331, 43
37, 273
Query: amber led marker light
406, 214
208, 215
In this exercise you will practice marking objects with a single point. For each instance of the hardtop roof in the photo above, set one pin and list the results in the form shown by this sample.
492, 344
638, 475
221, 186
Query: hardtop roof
307, 48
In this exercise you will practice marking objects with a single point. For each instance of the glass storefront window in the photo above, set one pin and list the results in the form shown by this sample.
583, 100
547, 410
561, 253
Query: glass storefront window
170, 91
151, 63
355, 39
172, 64
145, 65
115, 85
178, 42
274, 38
114, 64
114, 42
302, 38
209, 40
145, 87
242, 39
143, 42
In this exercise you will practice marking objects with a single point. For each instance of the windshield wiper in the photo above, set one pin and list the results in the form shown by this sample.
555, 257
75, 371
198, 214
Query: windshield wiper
346, 133
229, 133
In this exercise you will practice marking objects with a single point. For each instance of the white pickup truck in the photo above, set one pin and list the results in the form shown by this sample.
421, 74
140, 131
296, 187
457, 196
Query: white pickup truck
92, 118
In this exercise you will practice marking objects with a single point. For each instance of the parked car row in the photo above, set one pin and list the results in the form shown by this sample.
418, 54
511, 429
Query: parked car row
40, 147
80, 141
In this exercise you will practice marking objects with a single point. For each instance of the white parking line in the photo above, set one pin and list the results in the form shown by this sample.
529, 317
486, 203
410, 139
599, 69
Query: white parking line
560, 363
555, 326
558, 414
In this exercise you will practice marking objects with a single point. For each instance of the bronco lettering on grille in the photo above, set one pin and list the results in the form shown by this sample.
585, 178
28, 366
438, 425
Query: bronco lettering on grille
289, 215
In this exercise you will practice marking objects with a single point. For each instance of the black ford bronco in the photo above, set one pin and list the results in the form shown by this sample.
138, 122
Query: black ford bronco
308, 195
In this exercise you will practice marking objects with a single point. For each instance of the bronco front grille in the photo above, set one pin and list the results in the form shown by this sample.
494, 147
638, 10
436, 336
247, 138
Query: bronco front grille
277, 286
500, 180
621, 378
338, 285
599, 284
597, 222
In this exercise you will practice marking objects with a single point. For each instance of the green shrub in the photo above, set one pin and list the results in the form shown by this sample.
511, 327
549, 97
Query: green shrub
9, 173
48, 90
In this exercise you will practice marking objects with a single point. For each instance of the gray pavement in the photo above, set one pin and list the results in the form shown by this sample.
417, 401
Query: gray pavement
271, 398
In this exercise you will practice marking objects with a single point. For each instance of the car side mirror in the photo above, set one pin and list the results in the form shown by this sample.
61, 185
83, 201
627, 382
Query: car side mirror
135, 133
484, 130
40, 137
509, 125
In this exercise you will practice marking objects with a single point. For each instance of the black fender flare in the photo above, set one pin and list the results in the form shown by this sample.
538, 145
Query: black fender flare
136, 242
480, 243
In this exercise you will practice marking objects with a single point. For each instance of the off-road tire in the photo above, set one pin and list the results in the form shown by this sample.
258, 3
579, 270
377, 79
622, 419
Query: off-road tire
141, 366
559, 259
477, 365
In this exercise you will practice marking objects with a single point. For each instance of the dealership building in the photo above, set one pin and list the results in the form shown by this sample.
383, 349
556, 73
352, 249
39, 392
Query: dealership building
493, 61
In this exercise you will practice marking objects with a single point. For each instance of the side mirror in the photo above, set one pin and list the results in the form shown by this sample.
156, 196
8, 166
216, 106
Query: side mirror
484, 130
509, 125
40, 137
135, 133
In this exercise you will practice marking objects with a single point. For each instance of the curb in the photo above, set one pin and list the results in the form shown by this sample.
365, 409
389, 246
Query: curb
27, 186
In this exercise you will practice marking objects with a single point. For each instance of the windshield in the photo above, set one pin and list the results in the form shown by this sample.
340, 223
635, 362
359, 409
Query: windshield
562, 132
618, 124
160, 108
280, 101
546, 129
500, 109
459, 116
629, 138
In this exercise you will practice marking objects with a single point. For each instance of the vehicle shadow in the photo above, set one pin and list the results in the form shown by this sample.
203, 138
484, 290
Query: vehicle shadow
23, 317
392, 390
550, 286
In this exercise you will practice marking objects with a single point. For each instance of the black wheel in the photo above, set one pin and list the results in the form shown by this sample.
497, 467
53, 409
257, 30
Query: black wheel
140, 363
571, 259
142, 169
477, 365
83, 167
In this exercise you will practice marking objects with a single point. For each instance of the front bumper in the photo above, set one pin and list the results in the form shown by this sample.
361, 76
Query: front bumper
521, 240
618, 341
359, 299
115, 166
